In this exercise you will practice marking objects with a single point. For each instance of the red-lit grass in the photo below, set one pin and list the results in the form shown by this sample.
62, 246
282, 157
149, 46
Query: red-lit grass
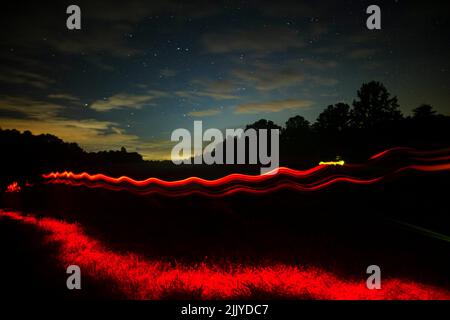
139, 278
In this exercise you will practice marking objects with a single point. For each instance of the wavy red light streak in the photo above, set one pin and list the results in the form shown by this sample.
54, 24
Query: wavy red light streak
279, 185
235, 177
139, 278
71, 178
253, 184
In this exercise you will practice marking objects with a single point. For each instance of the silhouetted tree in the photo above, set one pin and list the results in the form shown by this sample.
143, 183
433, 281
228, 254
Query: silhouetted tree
374, 106
262, 124
297, 123
423, 112
296, 128
335, 118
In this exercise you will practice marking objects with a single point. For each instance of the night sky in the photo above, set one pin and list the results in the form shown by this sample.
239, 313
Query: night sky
137, 70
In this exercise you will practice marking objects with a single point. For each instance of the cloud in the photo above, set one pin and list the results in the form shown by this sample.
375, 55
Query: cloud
317, 64
361, 54
99, 62
205, 113
167, 72
29, 108
63, 96
96, 35
41, 117
213, 95
108, 38
272, 106
324, 81
216, 95
84, 131
219, 86
105, 27
14, 76
126, 101
263, 41
265, 77
217, 90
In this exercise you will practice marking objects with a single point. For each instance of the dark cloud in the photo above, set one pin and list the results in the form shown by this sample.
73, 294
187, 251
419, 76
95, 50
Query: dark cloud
272, 106
262, 40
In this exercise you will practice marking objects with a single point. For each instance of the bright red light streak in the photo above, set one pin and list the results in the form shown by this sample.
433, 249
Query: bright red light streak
156, 185
234, 177
236, 188
408, 151
230, 184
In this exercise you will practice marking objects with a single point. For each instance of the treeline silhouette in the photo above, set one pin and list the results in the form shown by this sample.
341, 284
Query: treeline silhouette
372, 123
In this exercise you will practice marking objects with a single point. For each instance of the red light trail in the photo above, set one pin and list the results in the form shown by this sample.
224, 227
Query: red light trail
139, 278
235, 177
284, 178
279, 185
408, 151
